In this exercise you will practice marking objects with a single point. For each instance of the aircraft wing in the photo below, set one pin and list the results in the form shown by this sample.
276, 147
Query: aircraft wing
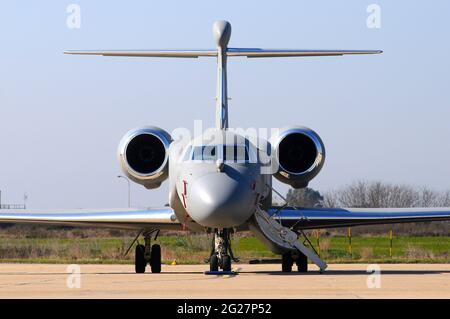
268, 53
161, 218
313, 218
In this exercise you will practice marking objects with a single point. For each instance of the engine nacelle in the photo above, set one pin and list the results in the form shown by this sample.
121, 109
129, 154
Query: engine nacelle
143, 155
298, 155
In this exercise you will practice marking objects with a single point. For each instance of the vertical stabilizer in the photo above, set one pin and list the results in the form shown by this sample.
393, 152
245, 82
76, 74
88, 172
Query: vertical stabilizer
222, 33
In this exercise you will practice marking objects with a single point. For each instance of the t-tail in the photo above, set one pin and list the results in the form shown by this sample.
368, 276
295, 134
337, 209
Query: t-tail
222, 34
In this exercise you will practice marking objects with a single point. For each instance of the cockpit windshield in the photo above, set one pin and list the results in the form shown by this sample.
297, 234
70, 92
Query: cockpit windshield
228, 153
205, 153
235, 153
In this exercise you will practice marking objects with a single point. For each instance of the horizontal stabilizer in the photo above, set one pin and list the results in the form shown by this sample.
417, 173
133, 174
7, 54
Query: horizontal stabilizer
150, 53
250, 53
261, 53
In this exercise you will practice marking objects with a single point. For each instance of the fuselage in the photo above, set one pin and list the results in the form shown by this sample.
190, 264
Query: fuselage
216, 180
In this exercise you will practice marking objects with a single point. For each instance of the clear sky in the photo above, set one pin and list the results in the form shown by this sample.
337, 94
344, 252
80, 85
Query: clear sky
384, 117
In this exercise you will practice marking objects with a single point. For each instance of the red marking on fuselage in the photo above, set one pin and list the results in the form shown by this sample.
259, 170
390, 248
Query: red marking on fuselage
184, 200
185, 188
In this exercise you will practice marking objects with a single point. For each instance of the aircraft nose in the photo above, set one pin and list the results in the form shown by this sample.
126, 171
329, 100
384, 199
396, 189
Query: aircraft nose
218, 200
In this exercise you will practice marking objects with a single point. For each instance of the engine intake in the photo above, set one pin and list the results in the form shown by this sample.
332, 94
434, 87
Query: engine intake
143, 155
299, 155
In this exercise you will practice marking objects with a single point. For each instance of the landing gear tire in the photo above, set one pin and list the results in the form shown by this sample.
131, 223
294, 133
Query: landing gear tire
226, 263
286, 262
214, 263
139, 260
221, 255
302, 263
155, 259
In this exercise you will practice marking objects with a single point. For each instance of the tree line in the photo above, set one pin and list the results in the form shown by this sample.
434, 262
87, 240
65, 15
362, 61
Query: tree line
377, 194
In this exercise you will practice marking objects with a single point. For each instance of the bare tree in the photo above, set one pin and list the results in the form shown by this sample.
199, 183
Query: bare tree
304, 197
374, 194
377, 194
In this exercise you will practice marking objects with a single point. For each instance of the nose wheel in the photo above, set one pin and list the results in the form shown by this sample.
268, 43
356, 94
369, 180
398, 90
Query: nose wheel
214, 263
221, 253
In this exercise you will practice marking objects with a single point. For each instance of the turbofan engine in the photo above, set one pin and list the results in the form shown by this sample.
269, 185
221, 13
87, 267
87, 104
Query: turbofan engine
298, 155
143, 155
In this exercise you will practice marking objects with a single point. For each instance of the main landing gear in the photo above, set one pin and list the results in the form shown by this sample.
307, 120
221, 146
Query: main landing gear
148, 254
221, 253
289, 258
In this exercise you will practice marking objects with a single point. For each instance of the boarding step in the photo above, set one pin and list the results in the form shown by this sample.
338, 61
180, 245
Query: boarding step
284, 237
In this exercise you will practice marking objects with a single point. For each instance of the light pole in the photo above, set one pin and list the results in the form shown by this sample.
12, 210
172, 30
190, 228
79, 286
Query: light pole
25, 198
129, 189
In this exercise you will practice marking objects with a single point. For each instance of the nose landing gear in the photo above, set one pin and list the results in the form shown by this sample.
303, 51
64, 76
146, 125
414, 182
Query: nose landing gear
221, 253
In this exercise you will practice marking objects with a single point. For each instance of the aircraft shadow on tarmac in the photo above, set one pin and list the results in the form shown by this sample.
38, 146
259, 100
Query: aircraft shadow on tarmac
258, 272
349, 272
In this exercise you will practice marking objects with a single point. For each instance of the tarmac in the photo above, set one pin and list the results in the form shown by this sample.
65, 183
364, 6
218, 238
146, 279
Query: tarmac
250, 281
